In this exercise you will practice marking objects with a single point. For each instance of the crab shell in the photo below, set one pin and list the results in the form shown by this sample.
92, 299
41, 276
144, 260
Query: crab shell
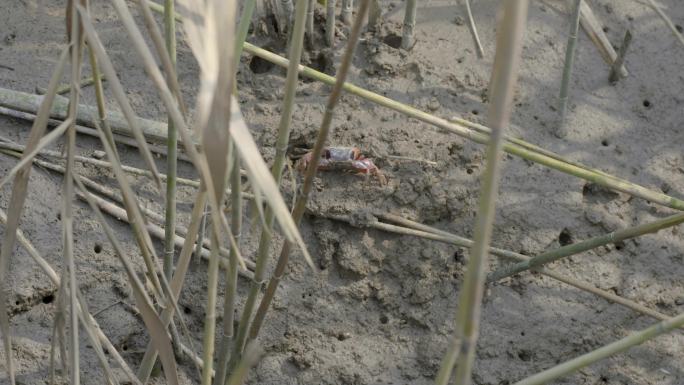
344, 159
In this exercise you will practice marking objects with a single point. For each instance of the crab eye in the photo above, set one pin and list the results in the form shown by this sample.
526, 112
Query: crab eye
326, 154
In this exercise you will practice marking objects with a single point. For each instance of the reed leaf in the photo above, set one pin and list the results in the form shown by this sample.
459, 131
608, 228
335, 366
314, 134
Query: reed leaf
16, 204
150, 356
28, 156
167, 97
55, 279
477, 133
120, 96
296, 48
300, 204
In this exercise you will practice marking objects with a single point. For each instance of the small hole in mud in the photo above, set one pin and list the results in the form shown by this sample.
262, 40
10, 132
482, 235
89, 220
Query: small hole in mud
475, 112
458, 256
384, 319
565, 238
459, 61
522, 334
260, 66
619, 246
679, 28
97, 248
17, 302
525, 355
124, 348
647, 103
469, 170
48, 298
343, 336
604, 142
392, 40
187, 310
59, 216
606, 29
535, 117
604, 379
322, 63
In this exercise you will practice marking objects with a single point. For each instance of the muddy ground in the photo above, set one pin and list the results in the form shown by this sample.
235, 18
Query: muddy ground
381, 308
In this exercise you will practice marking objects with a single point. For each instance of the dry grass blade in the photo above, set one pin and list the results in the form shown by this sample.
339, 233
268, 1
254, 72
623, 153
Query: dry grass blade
86, 319
214, 106
593, 27
119, 94
504, 75
154, 324
28, 156
17, 202
150, 356
167, 98
300, 204
134, 214
165, 53
263, 183
69, 265
263, 250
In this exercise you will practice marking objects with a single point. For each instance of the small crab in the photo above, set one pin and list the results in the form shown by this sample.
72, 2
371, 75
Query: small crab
343, 159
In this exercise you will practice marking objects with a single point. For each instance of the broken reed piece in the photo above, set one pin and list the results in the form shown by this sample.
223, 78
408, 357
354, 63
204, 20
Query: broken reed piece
64, 88
615, 69
592, 27
118, 212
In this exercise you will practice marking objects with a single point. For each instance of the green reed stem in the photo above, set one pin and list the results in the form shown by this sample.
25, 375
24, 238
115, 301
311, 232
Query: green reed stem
171, 151
296, 49
586, 245
619, 346
300, 204
502, 83
561, 130
330, 22
231, 273
409, 24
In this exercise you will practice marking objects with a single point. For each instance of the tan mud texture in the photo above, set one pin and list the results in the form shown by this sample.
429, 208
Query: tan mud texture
381, 308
